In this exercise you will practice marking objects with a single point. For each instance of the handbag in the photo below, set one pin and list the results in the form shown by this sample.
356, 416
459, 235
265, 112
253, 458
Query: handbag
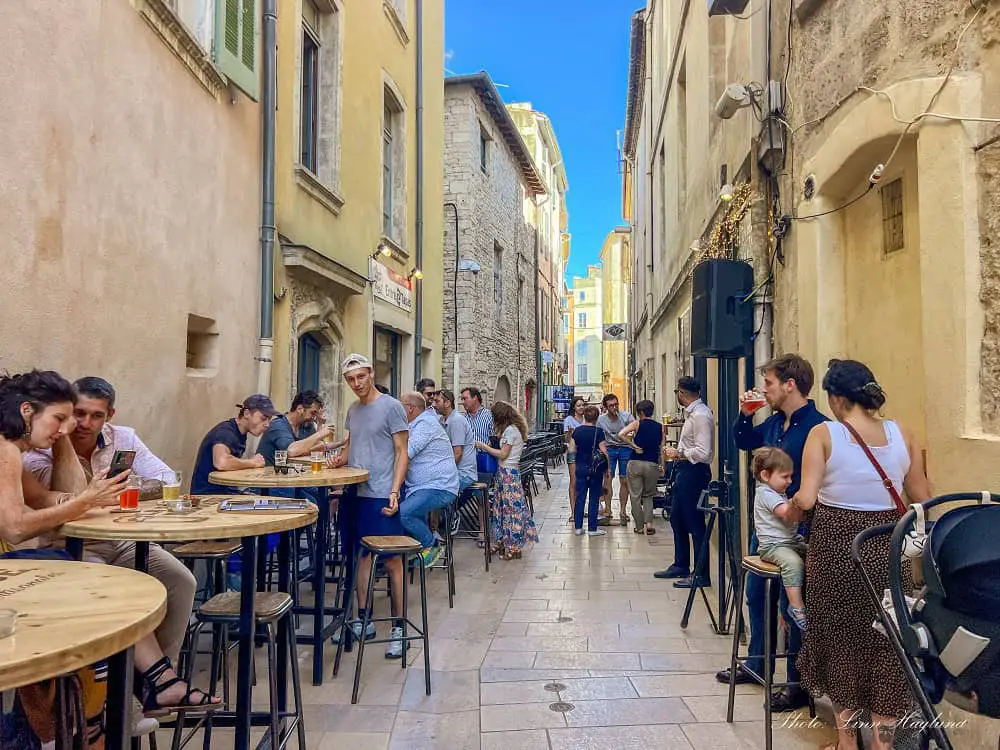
598, 462
916, 538
485, 463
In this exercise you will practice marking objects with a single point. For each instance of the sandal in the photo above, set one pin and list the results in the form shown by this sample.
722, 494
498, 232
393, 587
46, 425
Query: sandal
152, 688
650, 531
624, 520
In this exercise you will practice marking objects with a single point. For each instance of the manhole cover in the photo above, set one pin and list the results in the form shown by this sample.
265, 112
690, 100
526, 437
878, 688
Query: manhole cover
564, 618
555, 687
542, 577
561, 707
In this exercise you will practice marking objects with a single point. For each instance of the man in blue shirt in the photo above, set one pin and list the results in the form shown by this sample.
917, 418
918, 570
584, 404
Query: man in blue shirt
296, 431
787, 382
431, 475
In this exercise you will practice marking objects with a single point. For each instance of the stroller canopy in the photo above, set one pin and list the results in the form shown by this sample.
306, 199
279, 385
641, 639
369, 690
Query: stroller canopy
962, 561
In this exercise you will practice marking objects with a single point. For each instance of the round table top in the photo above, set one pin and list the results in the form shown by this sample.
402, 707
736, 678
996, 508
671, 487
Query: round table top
72, 614
266, 478
154, 523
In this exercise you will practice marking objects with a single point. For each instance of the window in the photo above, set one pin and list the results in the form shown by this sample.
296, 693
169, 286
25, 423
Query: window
581, 373
498, 279
309, 355
198, 16
202, 346
393, 155
581, 348
581, 320
684, 361
581, 297
484, 150
892, 217
387, 359
308, 131
236, 51
566, 325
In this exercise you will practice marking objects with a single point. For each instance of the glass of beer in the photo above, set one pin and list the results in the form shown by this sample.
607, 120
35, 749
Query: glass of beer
317, 458
171, 484
129, 499
281, 462
754, 401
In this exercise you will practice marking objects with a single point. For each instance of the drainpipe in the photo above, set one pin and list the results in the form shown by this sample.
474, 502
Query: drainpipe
419, 322
269, 66
539, 388
454, 303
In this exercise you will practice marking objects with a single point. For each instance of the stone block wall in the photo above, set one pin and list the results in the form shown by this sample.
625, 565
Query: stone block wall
492, 341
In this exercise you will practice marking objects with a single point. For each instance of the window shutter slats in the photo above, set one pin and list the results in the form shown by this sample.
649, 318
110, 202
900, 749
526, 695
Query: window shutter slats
237, 43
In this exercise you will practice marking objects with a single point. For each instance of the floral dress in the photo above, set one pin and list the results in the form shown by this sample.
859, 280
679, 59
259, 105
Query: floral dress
511, 525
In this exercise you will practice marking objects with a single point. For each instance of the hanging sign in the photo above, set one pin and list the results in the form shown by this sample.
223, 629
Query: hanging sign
390, 286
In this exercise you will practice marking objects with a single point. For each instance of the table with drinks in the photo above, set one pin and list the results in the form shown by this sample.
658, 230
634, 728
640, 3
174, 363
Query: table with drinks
59, 616
293, 474
203, 517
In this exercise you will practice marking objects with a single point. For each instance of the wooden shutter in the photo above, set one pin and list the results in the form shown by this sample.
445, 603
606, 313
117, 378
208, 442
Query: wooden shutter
237, 47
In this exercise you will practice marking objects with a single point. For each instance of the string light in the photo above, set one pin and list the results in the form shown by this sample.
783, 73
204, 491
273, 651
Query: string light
724, 235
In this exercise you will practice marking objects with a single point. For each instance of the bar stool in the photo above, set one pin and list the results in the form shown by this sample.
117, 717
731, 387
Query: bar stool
387, 546
753, 565
269, 609
447, 558
479, 490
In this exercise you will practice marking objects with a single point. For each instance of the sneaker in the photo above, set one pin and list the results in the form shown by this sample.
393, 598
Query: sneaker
142, 725
798, 616
395, 648
578, 532
599, 532
355, 626
438, 537
430, 555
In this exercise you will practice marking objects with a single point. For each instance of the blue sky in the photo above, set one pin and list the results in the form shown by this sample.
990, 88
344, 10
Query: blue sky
569, 58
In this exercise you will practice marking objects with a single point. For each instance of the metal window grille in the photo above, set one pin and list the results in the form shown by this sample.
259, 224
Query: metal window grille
893, 239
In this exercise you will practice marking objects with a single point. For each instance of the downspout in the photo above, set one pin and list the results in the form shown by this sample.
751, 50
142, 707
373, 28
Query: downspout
269, 66
647, 95
419, 322
539, 389
454, 302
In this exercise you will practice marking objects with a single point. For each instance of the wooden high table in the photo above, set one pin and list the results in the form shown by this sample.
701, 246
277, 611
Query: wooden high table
321, 481
154, 523
71, 615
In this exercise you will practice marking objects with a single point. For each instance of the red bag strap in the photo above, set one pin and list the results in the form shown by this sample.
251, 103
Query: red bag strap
886, 482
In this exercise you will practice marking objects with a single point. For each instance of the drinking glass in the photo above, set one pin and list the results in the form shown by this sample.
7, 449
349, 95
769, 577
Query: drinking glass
8, 622
755, 401
171, 484
129, 499
317, 458
281, 462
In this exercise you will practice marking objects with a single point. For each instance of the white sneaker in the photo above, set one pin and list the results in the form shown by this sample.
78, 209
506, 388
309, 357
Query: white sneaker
355, 626
578, 532
395, 648
142, 725
599, 532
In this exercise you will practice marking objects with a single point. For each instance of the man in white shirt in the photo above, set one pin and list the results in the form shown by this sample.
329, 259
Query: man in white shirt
693, 454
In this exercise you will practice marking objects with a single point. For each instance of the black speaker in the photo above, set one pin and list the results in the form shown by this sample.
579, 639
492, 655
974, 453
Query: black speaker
721, 321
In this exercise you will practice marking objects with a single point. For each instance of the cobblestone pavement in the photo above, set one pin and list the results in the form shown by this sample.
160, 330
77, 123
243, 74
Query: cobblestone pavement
575, 646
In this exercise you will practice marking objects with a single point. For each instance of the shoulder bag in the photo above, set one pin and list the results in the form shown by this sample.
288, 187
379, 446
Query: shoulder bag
913, 545
598, 462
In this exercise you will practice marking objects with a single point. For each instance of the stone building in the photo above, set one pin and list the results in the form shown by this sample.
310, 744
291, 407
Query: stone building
490, 248
616, 270
587, 316
130, 230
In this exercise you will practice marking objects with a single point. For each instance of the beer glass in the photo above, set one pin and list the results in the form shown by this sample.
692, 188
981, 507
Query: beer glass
281, 462
754, 401
129, 499
171, 484
317, 458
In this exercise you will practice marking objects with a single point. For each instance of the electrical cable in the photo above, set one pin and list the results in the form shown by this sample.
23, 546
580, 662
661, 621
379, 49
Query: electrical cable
839, 208
788, 50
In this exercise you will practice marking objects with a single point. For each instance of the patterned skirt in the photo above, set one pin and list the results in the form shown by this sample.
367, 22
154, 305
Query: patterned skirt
511, 525
842, 655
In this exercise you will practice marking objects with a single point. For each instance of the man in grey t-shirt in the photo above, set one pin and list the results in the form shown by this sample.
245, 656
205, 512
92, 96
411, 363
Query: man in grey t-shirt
613, 421
463, 442
375, 440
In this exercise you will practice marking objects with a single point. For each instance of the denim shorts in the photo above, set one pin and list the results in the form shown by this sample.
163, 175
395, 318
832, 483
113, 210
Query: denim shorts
618, 458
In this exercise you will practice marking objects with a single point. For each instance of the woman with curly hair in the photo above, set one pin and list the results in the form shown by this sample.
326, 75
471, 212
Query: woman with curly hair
512, 526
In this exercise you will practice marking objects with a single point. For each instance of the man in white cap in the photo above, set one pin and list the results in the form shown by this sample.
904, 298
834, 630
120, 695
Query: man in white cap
375, 439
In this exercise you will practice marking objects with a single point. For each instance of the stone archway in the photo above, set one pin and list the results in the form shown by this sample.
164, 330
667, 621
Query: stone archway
501, 392
319, 321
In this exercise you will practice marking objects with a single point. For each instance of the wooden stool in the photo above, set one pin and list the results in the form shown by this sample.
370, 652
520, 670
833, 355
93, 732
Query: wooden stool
753, 565
388, 546
480, 490
269, 609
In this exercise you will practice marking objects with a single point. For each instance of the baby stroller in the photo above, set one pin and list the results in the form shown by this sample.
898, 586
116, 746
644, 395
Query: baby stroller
948, 639
664, 490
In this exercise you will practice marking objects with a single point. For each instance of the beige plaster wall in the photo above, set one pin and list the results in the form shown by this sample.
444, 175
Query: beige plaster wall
130, 199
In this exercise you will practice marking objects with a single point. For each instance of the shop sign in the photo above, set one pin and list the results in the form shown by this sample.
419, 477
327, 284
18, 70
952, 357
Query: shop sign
390, 286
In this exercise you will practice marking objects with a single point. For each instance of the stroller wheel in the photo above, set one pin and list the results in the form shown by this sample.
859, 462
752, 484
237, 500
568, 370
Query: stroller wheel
665, 513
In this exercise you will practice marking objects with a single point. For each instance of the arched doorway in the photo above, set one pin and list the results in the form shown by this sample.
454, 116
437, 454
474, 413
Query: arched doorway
502, 390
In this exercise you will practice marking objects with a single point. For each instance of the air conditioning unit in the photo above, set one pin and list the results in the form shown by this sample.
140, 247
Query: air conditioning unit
726, 7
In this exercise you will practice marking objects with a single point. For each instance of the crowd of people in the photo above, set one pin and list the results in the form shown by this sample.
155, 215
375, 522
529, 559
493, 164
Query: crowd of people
819, 483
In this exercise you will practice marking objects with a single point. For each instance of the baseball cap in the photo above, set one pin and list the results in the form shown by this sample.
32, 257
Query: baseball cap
355, 361
258, 402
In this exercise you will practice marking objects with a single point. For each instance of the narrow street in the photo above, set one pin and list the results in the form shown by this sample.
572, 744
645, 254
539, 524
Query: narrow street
578, 621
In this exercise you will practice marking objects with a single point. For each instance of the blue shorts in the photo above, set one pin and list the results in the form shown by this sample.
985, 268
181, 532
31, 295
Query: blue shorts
618, 458
570, 458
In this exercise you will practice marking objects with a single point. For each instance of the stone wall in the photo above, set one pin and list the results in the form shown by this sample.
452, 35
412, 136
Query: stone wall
491, 344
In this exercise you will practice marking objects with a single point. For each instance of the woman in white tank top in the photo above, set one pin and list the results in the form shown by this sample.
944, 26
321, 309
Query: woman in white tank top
842, 655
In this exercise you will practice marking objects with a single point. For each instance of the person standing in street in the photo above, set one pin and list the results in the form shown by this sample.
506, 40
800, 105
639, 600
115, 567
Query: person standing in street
376, 436
645, 437
587, 444
613, 421
788, 380
431, 475
573, 420
694, 453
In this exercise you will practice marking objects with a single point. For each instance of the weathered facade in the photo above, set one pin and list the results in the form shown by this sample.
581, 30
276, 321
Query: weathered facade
616, 269
490, 263
587, 316
347, 195
131, 220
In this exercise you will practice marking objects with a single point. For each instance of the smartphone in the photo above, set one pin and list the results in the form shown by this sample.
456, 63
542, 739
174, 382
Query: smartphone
122, 461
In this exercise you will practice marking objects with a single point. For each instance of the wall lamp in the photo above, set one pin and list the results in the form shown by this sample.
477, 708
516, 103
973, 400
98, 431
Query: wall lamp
382, 251
415, 273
